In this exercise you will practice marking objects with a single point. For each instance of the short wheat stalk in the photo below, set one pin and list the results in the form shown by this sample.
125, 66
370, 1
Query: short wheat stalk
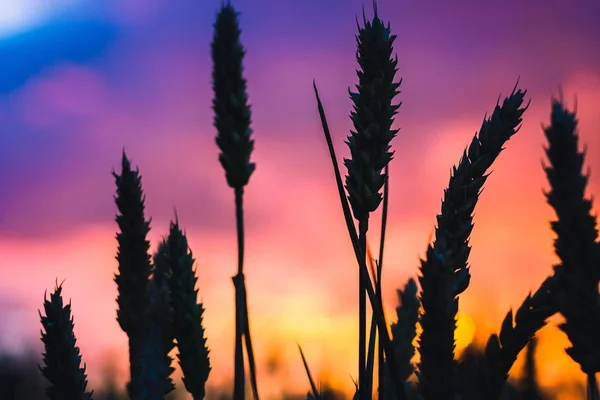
444, 271
62, 360
576, 243
160, 320
404, 331
232, 120
188, 329
149, 368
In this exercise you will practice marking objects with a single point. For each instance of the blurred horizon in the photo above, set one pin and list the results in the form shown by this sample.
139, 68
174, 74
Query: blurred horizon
80, 81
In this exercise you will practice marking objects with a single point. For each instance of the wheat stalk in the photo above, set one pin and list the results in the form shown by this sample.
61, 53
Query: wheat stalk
61, 359
132, 254
444, 271
187, 313
404, 331
576, 243
376, 302
133, 284
232, 120
159, 333
502, 349
369, 143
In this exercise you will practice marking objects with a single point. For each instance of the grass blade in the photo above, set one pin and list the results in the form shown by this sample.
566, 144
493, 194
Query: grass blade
370, 366
384, 211
313, 386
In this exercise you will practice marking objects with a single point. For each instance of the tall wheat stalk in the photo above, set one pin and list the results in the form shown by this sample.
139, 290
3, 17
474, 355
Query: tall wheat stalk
375, 301
576, 243
232, 120
369, 144
444, 271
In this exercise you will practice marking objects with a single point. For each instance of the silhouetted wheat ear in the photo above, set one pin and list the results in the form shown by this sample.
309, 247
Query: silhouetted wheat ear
132, 254
502, 349
232, 120
372, 117
444, 271
149, 363
230, 104
188, 313
404, 331
369, 143
576, 242
61, 358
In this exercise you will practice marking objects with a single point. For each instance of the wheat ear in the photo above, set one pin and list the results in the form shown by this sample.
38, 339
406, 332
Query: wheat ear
369, 144
188, 329
132, 279
576, 243
444, 271
232, 120
61, 359
502, 349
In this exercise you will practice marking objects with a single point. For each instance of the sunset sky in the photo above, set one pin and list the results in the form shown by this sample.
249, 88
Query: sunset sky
81, 80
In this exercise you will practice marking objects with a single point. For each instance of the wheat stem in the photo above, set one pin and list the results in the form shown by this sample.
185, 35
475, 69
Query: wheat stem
363, 226
384, 210
592, 387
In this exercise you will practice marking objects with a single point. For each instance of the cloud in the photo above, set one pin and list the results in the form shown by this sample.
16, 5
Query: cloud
31, 53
